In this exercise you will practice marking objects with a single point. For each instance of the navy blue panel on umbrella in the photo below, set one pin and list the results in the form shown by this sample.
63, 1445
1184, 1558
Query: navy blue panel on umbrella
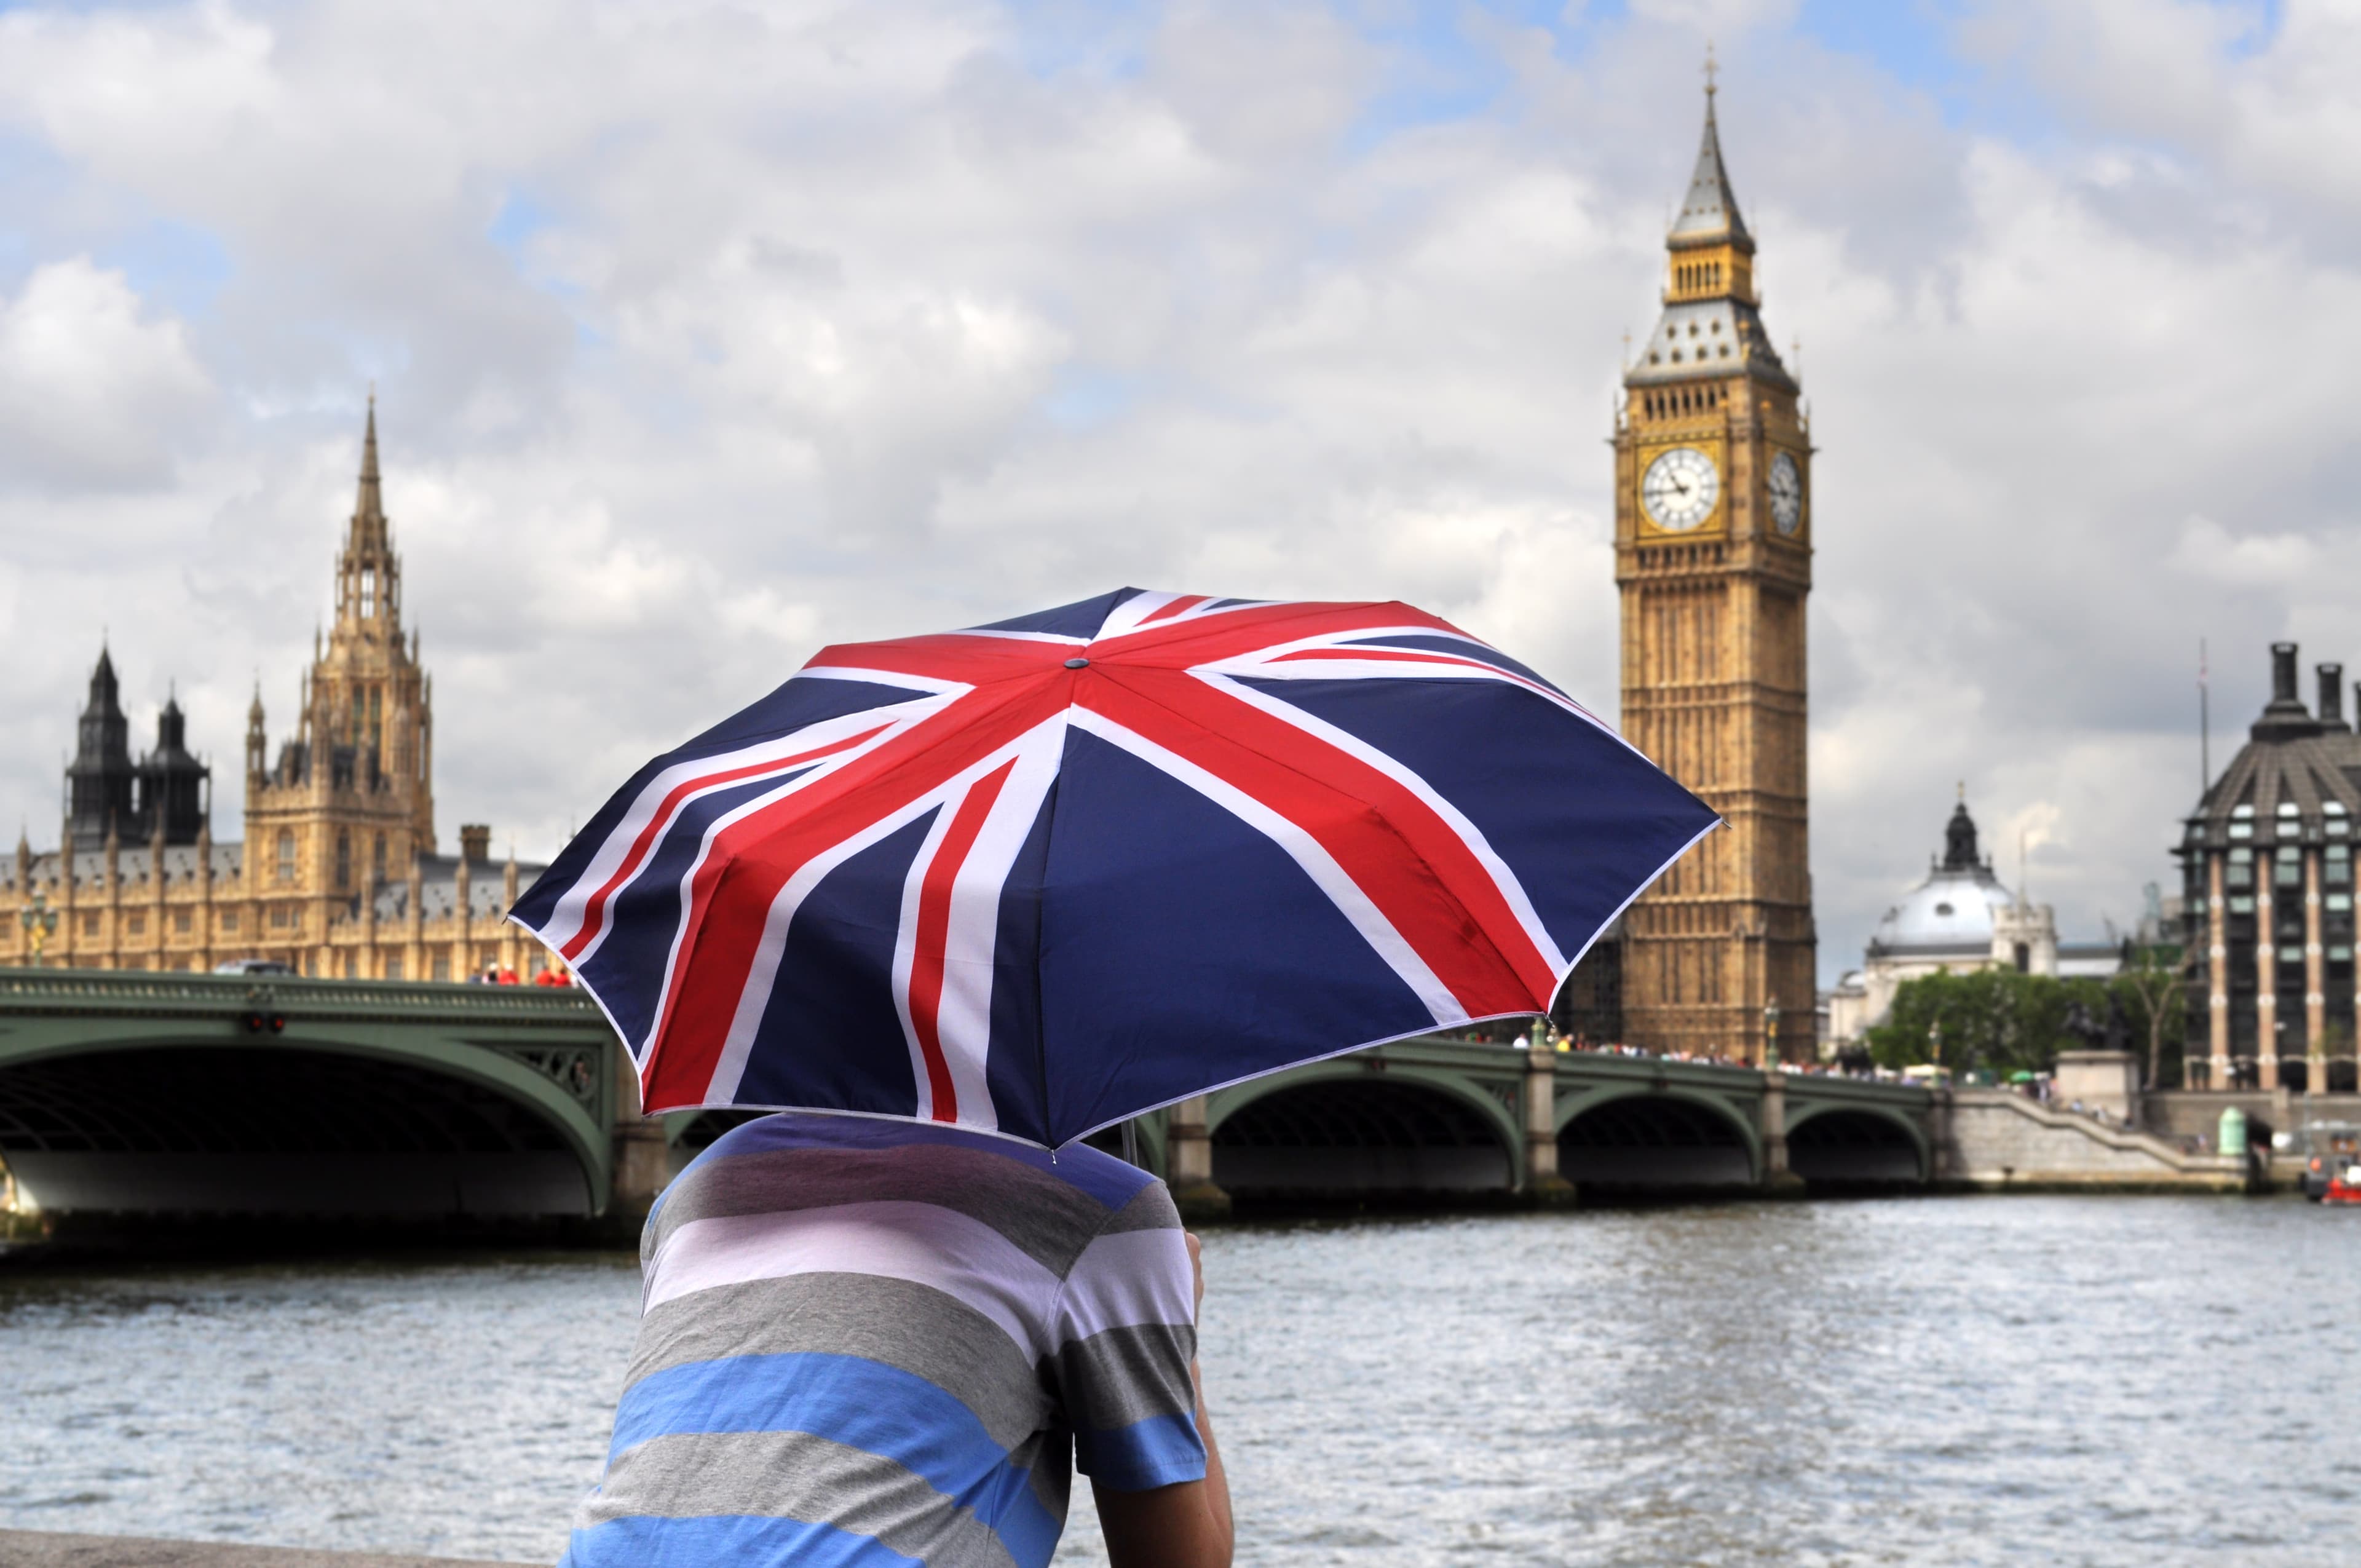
832, 1007
1595, 809
1180, 947
628, 985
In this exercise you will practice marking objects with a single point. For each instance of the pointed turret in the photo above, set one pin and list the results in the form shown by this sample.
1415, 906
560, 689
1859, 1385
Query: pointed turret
100, 780
369, 507
1709, 211
1712, 324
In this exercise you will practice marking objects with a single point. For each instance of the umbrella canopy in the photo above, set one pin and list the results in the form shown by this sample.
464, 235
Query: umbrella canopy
1043, 875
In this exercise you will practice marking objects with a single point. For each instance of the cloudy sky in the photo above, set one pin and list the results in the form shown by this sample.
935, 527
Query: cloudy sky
707, 333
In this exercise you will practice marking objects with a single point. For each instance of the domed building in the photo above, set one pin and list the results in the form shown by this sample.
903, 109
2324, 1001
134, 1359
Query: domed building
1962, 919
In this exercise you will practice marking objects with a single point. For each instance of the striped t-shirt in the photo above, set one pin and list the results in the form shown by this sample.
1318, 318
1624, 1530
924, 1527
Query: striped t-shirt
868, 1343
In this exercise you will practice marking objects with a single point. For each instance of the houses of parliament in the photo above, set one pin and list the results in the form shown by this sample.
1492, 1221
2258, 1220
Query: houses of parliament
338, 873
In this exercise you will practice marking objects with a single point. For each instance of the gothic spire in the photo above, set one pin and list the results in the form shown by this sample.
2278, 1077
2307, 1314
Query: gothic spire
1709, 211
369, 508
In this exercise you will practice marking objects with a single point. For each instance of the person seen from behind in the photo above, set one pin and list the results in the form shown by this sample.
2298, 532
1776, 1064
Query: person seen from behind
866, 1342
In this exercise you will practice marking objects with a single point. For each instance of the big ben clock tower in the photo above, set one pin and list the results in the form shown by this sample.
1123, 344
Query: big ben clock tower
1713, 557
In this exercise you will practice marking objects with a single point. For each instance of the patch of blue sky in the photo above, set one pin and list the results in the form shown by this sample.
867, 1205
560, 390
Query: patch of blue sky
2264, 20
521, 219
1916, 43
1084, 398
513, 226
1443, 61
1105, 39
177, 265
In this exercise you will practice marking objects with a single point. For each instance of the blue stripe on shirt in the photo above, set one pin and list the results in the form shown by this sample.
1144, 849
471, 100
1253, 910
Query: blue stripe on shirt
738, 1540
863, 1404
1158, 1452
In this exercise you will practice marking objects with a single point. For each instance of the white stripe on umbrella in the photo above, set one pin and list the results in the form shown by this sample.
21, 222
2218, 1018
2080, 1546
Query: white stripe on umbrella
566, 917
964, 1015
1358, 907
1513, 891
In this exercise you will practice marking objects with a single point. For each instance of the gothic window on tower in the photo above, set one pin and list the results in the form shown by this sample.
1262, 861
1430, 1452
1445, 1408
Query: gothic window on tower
286, 854
393, 966
377, 857
369, 591
344, 859
181, 920
229, 922
90, 924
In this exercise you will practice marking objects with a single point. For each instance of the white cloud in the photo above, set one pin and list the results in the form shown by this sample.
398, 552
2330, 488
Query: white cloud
93, 390
707, 334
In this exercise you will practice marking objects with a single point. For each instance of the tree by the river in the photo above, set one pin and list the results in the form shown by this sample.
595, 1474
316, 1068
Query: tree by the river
2006, 1022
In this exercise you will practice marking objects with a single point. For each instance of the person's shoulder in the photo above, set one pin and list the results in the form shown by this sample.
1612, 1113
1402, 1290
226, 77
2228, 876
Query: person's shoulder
1135, 1200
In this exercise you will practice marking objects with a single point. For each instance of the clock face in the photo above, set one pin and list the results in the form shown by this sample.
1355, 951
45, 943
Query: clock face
1679, 489
1786, 487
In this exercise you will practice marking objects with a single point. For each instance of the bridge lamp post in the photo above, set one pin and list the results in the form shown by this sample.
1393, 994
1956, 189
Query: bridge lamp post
1935, 1042
1770, 1032
41, 924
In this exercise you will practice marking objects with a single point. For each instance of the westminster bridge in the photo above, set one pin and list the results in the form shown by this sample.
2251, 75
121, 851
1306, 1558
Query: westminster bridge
146, 1096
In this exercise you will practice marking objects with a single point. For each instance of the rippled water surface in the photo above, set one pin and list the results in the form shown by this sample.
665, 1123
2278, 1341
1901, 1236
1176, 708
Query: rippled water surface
2025, 1380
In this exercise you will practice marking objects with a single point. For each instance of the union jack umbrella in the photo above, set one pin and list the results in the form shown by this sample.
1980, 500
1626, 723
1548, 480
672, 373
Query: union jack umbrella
1043, 875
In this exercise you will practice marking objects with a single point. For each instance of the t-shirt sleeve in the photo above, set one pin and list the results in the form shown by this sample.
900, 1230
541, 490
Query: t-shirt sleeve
1126, 1331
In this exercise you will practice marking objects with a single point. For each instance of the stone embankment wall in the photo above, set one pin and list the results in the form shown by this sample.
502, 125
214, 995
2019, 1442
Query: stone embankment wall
1998, 1141
43, 1549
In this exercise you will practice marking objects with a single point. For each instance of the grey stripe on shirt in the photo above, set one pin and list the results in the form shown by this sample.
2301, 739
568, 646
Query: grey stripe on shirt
914, 1327
1121, 1376
751, 1473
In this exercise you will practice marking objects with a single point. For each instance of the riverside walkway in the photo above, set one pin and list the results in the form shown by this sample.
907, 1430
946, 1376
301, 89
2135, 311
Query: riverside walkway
45, 1549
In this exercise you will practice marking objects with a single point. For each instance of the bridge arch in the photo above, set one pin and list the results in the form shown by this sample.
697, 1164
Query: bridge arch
1338, 1129
1840, 1145
1650, 1138
313, 1122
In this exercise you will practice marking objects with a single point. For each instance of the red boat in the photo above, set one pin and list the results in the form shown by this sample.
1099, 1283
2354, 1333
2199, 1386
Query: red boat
2343, 1186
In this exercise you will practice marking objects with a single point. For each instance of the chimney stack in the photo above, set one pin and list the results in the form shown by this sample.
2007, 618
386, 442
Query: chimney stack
2332, 695
2286, 717
475, 841
2282, 675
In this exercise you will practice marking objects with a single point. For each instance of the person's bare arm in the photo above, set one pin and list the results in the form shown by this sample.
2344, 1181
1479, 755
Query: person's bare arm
1184, 1526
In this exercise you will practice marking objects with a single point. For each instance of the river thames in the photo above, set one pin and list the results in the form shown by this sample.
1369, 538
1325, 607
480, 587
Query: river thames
2018, 1380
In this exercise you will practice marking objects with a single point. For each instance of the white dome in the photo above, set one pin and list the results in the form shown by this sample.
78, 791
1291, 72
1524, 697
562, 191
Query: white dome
1949, 909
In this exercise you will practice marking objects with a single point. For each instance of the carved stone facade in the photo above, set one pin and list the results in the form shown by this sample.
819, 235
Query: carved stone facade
338, 873
1713, 556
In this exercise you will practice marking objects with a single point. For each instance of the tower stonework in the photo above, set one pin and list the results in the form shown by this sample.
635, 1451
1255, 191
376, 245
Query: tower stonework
338, 876
1713, 561
350, 801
